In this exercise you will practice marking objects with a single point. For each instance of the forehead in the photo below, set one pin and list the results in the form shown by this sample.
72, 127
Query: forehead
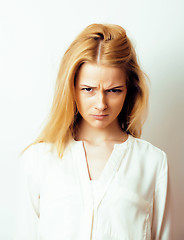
95, 74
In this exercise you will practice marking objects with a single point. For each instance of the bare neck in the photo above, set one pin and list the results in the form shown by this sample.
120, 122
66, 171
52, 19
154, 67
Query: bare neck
97, 136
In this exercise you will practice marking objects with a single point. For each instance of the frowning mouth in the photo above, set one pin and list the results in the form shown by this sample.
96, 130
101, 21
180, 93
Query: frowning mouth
99, 117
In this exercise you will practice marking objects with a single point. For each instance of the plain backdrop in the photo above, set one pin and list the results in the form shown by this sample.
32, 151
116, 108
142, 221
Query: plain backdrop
33, 37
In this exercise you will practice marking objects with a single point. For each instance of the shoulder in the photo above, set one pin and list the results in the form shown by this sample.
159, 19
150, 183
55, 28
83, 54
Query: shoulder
146, 147
37, 154
39, 148
149, 154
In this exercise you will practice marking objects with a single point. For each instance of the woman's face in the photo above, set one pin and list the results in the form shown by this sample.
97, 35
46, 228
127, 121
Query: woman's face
100, 92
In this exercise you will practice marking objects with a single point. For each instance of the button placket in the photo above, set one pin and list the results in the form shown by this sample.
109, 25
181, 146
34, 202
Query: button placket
86, 225
94, 227
90, 209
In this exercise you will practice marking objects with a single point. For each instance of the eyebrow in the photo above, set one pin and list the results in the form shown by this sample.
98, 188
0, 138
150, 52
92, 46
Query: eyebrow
88, 86
121, 86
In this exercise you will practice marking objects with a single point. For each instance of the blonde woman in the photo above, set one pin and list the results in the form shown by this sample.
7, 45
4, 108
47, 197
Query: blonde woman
89, 176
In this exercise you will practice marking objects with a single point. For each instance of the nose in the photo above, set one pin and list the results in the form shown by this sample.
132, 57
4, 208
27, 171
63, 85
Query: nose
101, 103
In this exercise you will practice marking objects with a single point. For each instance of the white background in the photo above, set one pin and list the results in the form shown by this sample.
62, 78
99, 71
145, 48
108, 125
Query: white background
33, 37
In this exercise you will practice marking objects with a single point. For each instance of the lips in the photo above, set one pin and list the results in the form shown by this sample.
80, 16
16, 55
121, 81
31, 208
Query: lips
99, 117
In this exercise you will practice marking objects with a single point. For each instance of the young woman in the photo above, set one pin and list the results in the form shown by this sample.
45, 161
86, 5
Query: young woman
89, 176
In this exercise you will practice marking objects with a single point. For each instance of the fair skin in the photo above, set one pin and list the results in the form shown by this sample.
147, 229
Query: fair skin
100, 92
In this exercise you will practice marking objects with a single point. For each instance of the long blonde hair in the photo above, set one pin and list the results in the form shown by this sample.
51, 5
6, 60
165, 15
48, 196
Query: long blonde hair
104, 44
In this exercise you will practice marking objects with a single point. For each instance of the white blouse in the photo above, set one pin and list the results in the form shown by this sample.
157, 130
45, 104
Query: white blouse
57, 200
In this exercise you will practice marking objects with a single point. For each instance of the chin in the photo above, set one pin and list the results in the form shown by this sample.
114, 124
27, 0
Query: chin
100, 125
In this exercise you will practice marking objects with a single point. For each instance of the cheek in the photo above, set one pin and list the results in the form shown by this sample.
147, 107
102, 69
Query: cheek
78, 101
117, 103
82, 103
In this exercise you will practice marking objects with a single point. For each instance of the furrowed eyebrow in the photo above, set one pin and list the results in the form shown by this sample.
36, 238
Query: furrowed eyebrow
87, 86
116, 87
83, 85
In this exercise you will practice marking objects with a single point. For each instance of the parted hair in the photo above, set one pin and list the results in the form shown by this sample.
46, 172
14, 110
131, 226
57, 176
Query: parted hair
105, 44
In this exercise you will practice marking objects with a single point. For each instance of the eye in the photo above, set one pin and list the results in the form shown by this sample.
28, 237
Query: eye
87, 89
114, 90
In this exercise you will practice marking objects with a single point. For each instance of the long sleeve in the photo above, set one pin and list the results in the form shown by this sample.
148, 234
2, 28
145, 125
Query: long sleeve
27, 212
161, 211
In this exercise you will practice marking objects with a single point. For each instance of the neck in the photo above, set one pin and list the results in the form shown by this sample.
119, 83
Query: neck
99, 135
